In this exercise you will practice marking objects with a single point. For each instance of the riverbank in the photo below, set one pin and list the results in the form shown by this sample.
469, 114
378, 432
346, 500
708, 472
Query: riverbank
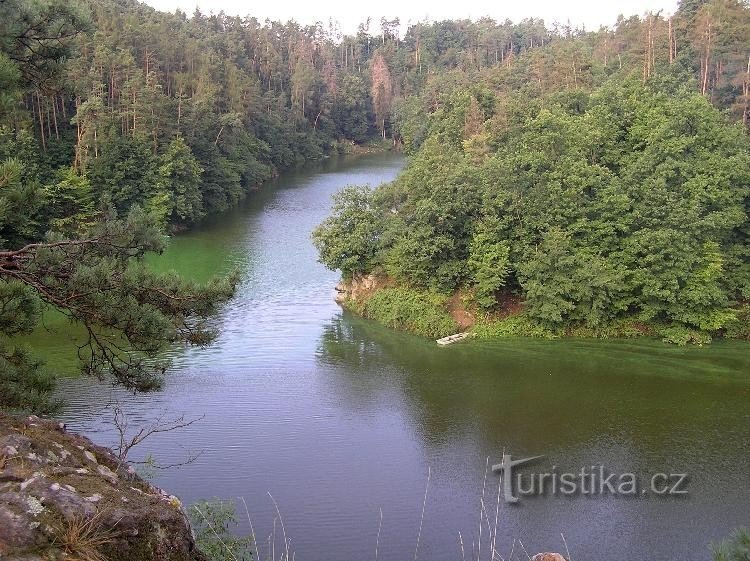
375, 146
434, 315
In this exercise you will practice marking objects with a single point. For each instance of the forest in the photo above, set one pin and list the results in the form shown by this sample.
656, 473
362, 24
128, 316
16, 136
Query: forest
597, 175
596, 185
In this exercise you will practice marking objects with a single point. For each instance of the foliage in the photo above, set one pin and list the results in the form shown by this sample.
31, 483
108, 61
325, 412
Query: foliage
69, 203
489, 265
348, 239
625, 204
214, 523
596, 175
99, 281
179, 178
421, 312
739, 327
519, 325
735, 548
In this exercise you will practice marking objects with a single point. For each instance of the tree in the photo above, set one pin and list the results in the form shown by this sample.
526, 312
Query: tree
348, 239
124, 172
179, 178
382, 90
352, 111
99, 281
37, 37
489, 264
69, 204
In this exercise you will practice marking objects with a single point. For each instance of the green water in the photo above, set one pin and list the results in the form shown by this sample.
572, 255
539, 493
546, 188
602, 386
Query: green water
338, 417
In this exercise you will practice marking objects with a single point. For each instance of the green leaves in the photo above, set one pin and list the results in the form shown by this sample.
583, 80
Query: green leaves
215, 524
489, 263
179, 179
421, 312
129, 313
627, 204
348, 239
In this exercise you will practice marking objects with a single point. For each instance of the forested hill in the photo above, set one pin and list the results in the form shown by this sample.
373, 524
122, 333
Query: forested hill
185, 114
596, 185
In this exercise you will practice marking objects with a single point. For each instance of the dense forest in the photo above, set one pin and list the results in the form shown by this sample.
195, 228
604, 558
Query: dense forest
596, 174
596, 185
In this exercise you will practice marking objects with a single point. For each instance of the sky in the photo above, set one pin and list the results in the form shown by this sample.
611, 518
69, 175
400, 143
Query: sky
350, 13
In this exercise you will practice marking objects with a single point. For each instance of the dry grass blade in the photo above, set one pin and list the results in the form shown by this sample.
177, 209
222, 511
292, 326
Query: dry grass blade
82, 538
481, 509
283, 529
252, 530
497, 516
377, 540
567, 551
524, 549
421, 519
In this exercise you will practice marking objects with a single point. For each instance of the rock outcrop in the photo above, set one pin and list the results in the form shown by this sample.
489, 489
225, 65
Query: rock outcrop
63, 497
548, 557
359, 287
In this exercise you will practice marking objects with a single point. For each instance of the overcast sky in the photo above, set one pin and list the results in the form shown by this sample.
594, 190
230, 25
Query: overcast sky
591, 13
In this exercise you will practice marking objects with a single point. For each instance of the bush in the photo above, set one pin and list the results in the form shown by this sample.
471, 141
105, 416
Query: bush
420, 312
519, 325
681, 335
621, 328
214, 522
739, 328
736, 548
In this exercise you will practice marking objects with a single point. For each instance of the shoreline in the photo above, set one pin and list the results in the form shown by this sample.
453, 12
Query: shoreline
434, 315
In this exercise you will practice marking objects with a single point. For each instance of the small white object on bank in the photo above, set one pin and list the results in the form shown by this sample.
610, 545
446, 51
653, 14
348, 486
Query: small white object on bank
452, 339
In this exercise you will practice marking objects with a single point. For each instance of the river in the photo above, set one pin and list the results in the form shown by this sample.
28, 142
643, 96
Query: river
338, 418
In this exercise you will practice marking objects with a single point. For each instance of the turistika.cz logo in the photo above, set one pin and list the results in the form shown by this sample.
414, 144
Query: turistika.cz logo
589, 480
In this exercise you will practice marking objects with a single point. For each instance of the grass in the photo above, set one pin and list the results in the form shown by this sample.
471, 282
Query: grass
518, 325
734, 548
420, 312
82, 538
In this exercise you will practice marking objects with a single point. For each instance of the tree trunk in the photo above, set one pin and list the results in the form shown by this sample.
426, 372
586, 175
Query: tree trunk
41, 122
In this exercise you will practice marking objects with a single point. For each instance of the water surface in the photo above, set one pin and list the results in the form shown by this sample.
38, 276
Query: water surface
338, 417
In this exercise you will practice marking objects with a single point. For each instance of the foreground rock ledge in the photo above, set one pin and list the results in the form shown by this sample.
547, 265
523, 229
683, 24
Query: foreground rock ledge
63, 497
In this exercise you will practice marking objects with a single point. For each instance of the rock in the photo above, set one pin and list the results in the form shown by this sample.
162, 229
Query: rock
52, 481
360, 287
548, 557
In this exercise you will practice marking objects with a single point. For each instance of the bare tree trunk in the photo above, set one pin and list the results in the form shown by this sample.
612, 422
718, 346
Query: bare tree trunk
41, 122
671, 42
179, 110
78, 161
49, 128
606, 60
54, 117
705, 62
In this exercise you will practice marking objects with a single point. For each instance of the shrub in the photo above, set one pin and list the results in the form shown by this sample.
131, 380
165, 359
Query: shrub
519, 325
420, 312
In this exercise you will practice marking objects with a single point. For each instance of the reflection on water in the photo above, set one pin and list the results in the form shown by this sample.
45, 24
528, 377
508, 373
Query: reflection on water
339, 417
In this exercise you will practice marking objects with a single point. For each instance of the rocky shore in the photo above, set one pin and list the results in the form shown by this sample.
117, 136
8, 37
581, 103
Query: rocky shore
63, 497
